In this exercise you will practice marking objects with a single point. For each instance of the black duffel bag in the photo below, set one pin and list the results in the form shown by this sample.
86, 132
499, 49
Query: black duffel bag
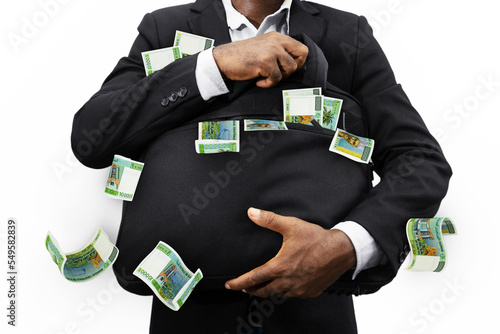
197, 203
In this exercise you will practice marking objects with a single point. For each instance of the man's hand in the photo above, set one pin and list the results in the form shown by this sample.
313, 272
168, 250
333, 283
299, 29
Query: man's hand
272, 56
310, 259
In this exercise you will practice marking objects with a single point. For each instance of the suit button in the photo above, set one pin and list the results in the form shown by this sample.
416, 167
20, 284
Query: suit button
165, 102
406, 249
183, 91
173, 96
402, 257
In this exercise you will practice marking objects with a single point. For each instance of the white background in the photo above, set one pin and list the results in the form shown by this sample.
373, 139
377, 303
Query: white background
441, 51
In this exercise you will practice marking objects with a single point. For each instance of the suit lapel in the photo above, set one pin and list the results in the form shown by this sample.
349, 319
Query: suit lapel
304, 18
209, 19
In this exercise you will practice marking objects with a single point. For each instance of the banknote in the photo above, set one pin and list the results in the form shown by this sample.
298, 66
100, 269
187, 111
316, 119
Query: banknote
219, 130
216, 146
123, 178
155, 60
354, 147
331, 112
86, 263
303, 109
190, 44
264, 124
302, 92
425, 236
166, 274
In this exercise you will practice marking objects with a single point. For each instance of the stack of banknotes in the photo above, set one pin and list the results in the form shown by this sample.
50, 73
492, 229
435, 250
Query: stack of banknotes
86, 263
306, 105
123, 178
224, 136
218, 137
185, 44
166, 274
425, 236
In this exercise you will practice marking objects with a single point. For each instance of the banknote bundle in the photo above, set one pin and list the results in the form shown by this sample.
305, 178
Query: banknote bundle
426, 242
190, 44
166, 274
264, 125
304, 106
123, 178
185, 44
354, 147
86, 263
218, 137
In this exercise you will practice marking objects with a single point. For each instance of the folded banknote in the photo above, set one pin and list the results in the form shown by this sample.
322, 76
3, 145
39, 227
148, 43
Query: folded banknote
425, 236
86, 263
155, 60
166, 274
218, 137
190, 44
123, 178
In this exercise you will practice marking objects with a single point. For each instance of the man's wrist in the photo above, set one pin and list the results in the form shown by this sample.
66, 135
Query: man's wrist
368, 252
208, 77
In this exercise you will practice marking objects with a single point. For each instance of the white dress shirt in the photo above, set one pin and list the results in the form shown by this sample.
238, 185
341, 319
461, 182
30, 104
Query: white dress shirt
211, 84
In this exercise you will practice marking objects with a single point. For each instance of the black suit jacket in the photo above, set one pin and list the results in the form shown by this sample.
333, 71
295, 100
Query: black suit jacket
132, 111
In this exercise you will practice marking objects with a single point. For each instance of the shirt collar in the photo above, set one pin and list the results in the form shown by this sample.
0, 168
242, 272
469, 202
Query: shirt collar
236, 20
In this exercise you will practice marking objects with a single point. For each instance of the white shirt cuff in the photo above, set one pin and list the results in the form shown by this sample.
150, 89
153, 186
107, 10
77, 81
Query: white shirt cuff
368, 252
208, 77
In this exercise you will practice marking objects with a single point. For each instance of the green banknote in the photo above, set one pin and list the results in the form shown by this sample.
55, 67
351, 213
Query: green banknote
303, 109
216, 146
86, 263
155, 60
331, 112
302, 92
166, 274
218, 137
123, 178
190, 44
426, 242
219, 130
264, 124
354, 147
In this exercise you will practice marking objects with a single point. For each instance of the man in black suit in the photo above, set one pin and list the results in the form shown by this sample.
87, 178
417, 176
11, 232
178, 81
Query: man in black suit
132, 111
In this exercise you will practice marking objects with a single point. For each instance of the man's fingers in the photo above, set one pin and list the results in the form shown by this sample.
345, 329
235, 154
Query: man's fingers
298, 52
256, 277
271, 220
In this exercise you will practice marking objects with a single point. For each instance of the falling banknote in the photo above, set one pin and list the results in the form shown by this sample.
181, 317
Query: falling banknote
166, 274
354, 147
123, 178
155, 60
190, 44
86, 263
426, 241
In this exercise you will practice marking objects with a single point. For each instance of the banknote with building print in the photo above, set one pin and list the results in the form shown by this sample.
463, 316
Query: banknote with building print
123, 178
85, 263
425, 236
167, 276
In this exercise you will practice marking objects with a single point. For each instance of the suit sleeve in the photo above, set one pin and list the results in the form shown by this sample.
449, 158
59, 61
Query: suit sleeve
132, 109
414, 173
